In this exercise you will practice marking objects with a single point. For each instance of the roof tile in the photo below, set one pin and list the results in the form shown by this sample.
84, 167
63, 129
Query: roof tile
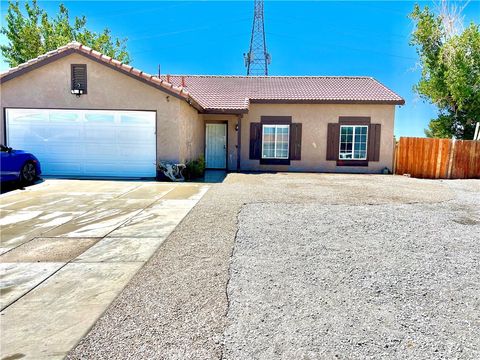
236, 92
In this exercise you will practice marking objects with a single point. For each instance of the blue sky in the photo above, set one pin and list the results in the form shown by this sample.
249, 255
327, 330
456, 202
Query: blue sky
304, 38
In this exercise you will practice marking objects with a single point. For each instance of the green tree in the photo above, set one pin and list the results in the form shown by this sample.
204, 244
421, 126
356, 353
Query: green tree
450, 77
32, 33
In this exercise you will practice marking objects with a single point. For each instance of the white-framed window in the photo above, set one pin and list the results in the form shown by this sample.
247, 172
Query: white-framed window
353, 142
275, 141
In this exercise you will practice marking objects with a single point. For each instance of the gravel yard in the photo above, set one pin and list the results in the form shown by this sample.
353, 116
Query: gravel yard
308, 266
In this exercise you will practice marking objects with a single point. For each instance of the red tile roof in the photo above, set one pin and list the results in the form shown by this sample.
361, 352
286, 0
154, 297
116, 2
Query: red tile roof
236, 92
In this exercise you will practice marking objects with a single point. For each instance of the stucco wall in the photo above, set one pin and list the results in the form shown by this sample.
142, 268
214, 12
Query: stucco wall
192, 133
315, 118
49, 87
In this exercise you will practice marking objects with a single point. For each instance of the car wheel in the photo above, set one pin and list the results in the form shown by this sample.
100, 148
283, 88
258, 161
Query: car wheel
28, 174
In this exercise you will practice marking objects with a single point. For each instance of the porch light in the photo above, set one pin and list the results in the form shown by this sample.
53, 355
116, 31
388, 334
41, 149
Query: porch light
77, 92
236, 127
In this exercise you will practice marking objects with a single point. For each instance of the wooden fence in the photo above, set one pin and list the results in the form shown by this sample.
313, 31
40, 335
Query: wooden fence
437, 158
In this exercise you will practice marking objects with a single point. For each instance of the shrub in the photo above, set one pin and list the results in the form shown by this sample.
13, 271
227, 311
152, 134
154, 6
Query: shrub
194, 168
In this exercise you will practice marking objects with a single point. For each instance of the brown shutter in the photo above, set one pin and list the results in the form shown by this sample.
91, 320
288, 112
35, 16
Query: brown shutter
255, 140
374, 131
333, 134
79, 77
296, 141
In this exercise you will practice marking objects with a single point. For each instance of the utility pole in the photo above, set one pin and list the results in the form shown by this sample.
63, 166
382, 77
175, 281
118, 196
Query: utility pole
257, 59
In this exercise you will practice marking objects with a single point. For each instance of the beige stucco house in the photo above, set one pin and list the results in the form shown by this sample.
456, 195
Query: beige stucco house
86, 114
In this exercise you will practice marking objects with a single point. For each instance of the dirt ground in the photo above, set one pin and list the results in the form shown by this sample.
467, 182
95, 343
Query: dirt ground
307, 266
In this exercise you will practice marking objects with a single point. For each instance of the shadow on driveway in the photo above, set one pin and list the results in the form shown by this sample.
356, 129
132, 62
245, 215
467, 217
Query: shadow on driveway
15, 185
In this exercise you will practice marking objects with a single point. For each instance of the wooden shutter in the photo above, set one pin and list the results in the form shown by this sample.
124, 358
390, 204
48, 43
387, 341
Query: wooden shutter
79, 77
374, 131
333, 134
296, 141
255, 140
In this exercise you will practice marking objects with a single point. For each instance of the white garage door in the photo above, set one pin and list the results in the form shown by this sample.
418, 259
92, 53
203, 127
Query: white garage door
86, 142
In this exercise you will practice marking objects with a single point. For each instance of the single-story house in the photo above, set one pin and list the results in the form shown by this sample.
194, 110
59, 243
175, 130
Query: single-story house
85, 114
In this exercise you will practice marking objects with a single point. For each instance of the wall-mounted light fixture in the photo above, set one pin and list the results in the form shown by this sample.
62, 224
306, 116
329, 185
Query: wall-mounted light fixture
236, 127
77, 92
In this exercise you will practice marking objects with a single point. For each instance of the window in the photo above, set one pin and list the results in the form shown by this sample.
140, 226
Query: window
79, 79
353, 142
275, 139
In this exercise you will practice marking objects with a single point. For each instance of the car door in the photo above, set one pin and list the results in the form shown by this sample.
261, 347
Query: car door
8, 168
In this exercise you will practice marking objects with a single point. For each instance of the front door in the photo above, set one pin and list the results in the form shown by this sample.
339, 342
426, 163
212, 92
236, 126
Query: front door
216, 146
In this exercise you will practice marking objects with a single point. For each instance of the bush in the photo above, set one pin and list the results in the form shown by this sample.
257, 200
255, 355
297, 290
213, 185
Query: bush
194, 169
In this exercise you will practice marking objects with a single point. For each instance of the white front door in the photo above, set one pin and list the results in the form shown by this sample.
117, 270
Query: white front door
97, 143
216, 146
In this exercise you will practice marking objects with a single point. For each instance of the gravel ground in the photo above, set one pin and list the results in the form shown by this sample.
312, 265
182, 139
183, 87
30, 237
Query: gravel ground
323, 265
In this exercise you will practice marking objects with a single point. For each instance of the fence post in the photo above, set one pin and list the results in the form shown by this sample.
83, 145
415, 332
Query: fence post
395, 156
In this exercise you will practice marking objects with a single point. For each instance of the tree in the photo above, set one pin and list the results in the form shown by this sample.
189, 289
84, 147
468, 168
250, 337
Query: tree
35, 33
450, 77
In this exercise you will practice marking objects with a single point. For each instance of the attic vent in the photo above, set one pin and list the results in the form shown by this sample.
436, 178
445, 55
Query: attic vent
79, 79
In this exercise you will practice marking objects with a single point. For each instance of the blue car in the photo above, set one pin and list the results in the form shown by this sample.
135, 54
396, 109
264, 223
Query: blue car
18, 165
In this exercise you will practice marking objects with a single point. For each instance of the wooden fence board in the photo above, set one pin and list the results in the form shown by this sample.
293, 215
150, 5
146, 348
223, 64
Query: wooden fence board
437, 158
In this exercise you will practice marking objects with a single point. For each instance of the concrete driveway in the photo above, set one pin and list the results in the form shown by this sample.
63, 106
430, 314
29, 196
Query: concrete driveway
68, 247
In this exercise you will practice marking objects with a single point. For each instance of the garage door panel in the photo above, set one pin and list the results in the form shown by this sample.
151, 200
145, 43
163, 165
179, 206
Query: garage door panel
134, 153
32, 131
100, 134
86, 142
64, 168
38, 134
96, 152
57, 136
127, 134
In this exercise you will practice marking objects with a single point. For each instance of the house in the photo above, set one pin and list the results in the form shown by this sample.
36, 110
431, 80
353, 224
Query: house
85, 114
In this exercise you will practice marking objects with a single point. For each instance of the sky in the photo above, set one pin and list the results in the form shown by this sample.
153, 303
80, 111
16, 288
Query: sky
359, 38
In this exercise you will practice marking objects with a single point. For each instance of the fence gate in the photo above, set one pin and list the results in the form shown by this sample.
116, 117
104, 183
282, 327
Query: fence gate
437, 158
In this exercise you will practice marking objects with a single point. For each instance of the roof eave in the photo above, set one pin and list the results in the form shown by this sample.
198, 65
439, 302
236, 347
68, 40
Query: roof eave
194, 103
326, 101
224, 111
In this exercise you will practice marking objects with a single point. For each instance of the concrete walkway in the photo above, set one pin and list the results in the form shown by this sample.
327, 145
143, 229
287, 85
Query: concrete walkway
68, 249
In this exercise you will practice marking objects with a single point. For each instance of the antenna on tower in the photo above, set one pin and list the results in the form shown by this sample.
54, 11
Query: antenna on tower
257, 59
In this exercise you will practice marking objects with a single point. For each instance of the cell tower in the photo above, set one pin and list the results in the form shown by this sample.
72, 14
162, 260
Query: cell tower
257, 59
